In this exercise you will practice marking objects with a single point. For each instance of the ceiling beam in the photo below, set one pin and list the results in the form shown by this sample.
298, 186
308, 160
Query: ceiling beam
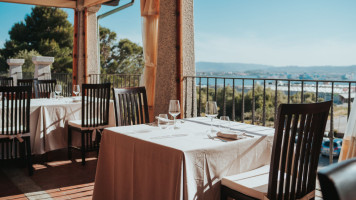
90, 3
51, 3
57, 3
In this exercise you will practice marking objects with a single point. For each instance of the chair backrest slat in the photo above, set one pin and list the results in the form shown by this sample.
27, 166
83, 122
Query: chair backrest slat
6, 81
28, 82
95, 105
43, 88
130, 106
15, 110
294, 163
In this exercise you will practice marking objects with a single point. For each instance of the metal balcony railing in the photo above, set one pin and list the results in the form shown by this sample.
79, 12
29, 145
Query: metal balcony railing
255, 100
117, 80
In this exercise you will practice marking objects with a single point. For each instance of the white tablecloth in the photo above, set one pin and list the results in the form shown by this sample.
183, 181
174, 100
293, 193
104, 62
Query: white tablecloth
49, 123
145, 162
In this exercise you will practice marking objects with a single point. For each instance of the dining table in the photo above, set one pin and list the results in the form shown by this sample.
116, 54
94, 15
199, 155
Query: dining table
187, 162
49, 122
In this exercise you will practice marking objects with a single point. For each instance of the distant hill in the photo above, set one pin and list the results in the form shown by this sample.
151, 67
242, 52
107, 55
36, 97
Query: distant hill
243, 67
228, 67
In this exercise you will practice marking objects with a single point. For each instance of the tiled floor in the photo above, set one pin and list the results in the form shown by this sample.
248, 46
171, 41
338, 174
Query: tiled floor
54, 177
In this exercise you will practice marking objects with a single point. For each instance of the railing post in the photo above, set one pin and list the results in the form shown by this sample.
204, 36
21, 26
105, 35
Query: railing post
253, 101
264, 104
331, 133
243, 101
224, 98
275, 100
233, 99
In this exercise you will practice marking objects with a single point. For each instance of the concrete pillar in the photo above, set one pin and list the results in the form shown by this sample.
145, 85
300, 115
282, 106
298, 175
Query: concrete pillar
15, 69
93, 67
85, 59
166, 75
42, 67
188, 58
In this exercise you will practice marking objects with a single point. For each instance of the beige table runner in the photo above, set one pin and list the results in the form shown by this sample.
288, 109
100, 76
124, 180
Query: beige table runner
145, 162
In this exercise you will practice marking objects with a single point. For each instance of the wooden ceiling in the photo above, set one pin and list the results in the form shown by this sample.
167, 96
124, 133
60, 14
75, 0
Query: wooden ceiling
60, 3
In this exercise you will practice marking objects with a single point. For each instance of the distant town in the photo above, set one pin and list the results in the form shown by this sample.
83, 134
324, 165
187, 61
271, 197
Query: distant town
338, 73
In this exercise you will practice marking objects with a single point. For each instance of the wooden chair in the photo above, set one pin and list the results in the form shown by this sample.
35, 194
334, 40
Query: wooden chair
28, 82
130, 106
338, 181
43, 88
95, 117
15, 124
6, 81
292, 172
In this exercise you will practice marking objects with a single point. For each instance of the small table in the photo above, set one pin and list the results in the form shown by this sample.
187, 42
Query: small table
145, 162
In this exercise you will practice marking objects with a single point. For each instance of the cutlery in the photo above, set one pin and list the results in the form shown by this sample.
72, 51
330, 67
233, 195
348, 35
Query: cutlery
210, 137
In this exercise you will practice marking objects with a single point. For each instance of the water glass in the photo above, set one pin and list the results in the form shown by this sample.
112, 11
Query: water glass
52, 95
163, 121
76, 90
211, 111
174, 110
58, 89
225, 124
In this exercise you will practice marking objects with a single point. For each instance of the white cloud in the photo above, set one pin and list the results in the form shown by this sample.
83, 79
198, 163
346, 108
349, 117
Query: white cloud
279, 52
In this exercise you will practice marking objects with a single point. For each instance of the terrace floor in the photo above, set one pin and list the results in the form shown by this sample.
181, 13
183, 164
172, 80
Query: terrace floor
55, 177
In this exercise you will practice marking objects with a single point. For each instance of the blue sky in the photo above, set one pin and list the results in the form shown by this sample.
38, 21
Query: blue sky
274, 32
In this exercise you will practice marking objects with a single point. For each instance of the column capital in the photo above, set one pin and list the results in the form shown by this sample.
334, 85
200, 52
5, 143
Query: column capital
94, 9
42, 60
15, 62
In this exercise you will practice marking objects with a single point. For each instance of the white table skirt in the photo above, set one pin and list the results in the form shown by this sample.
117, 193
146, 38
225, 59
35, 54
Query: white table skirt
145, 162
49, 123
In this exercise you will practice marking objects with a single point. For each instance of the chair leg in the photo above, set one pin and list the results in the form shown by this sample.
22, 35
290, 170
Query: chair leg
83, 148
29, 156
223, 195
22, 153
69, 143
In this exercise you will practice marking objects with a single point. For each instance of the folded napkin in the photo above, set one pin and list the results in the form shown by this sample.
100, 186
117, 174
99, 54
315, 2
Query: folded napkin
231, 135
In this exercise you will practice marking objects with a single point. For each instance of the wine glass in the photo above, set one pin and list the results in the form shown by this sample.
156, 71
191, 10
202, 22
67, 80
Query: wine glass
211, 111
76, 90
163, 121
58, 89
174, 110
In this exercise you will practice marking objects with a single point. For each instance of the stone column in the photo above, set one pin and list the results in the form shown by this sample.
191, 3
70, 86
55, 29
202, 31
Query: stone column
42, 67
15, 69
166, 75
189, 89
93, 67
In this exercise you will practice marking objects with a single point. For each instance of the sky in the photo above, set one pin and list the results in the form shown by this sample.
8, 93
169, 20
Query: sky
271, 32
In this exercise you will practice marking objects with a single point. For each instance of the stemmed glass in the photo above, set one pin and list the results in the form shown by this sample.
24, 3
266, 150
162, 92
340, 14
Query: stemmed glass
76, 90
211, 111
174, 110
58, 89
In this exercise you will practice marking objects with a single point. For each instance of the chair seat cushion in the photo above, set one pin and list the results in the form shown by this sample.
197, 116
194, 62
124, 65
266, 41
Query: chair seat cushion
253, 183
78, 124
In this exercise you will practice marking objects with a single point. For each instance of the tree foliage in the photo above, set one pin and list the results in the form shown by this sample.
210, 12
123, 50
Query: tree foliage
226, 95
47, 31
123, 57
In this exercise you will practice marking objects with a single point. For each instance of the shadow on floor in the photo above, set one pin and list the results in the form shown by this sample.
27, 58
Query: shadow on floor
55, 177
